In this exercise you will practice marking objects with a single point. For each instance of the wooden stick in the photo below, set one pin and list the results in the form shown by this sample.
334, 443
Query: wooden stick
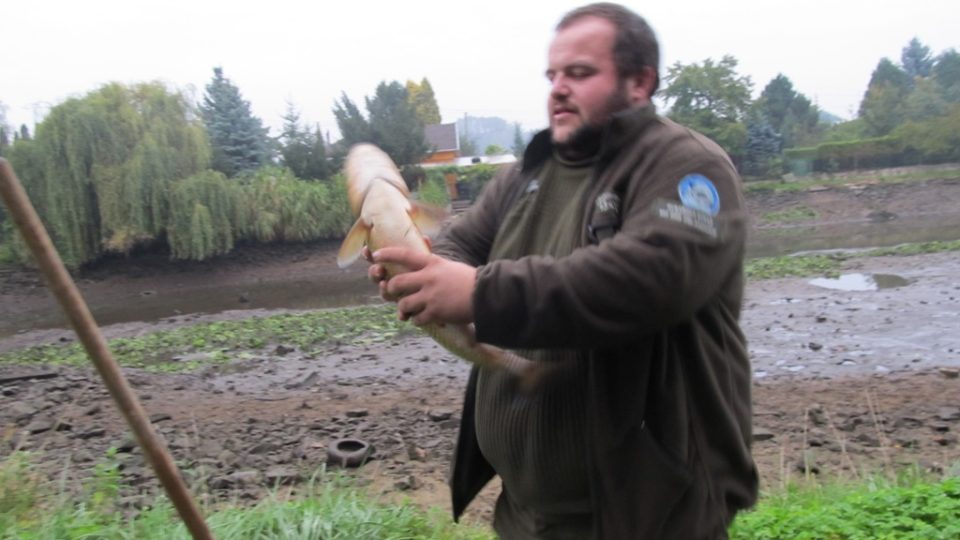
66, 292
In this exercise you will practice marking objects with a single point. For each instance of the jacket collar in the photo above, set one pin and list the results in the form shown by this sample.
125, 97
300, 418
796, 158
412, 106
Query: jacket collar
622, 128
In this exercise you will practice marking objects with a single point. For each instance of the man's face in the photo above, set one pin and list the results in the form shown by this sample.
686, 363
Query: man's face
585, 87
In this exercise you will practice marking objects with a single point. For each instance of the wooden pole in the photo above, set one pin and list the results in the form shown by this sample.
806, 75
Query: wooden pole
67, 294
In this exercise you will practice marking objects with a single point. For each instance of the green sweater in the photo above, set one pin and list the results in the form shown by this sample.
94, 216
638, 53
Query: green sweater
535, 439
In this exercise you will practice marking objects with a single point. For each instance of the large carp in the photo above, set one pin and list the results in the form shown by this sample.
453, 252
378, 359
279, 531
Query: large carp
386, 216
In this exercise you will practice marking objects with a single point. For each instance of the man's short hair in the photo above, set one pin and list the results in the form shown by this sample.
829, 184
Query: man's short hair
635, 46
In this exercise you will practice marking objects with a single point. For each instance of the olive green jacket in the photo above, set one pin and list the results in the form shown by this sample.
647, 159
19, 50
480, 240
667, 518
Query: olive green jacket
653, 297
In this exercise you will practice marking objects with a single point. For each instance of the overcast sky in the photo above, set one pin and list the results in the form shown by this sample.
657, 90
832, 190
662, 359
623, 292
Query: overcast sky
482, 58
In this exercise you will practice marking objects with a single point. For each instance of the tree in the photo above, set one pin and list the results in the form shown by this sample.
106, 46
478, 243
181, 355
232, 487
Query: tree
494, 150
301, 150
924, 102
788, 112
763, 149
882, 106
519, 143
392, 124
100, 168
916, 59
712, 99
423, 101
239, 141
946, 72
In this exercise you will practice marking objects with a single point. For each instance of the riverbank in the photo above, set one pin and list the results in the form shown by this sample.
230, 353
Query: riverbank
846, 381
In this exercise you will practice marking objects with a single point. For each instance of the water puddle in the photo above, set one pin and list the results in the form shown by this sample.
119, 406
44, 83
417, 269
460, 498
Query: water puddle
861, 282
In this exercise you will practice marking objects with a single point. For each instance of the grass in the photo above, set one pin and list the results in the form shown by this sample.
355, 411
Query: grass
800, 213
873, 509
885, 177
830, 265
218, 342
329, 508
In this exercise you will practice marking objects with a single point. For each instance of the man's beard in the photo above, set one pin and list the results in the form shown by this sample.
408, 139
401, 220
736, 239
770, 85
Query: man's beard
585, 141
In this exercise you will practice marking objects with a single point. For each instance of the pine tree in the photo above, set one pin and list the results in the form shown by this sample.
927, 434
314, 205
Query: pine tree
392, 124
916, 59
238, 139
301, 150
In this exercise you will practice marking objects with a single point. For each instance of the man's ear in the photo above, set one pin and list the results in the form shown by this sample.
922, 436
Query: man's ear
640, 86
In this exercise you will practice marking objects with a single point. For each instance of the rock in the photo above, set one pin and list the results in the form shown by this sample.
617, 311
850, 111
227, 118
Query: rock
357, 413
415, 453
408, 483
159, 417
283, 350
92, 433
43, 423
19, 411
761, 434
950, 373
948, 414
237, 479
276, 476
940, 427
439, 416
814, 346
264, 448
307, 382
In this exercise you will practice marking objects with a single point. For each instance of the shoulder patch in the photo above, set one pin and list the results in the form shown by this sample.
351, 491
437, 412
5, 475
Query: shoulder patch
698, 192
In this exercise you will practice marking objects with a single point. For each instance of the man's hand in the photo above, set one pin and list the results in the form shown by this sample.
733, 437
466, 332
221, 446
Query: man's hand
435, 290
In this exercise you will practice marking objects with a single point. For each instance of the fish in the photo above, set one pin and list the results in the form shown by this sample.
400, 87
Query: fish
387, 216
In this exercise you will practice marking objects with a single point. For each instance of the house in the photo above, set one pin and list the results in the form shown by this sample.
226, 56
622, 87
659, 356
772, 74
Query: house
444, 143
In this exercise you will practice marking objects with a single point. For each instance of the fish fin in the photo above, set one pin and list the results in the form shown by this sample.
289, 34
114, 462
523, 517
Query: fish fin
428, 218
353, 244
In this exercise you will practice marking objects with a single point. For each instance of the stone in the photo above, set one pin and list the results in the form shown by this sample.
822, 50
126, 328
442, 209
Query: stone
282, 476
761, 434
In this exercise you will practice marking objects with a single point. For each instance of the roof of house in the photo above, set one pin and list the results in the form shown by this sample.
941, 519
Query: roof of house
442, 137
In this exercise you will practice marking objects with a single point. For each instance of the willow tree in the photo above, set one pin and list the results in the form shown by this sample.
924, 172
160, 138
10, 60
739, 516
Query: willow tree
101, 166
203, 216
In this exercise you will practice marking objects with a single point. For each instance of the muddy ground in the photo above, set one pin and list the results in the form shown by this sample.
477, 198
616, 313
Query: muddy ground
846, 382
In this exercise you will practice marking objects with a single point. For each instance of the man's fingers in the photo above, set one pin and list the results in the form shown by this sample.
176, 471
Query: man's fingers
407, 258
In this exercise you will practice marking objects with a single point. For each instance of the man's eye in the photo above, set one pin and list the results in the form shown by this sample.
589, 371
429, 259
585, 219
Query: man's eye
579, 73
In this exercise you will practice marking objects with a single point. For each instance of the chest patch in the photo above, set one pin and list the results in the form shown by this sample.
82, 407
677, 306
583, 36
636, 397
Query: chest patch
698, 192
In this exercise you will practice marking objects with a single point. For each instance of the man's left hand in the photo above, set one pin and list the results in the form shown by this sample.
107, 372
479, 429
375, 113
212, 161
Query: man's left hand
434, 290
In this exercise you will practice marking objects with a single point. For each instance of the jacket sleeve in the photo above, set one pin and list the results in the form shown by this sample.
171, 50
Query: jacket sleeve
658, 270
469, 237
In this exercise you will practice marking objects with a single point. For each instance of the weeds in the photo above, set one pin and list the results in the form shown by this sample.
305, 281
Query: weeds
800, 213
329, 507
188, 348
875, 508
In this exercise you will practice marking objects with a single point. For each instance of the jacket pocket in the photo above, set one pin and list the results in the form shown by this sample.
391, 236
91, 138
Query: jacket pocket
644, 492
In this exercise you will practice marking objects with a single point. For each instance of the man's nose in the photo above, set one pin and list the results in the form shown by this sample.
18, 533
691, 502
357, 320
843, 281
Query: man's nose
559, 86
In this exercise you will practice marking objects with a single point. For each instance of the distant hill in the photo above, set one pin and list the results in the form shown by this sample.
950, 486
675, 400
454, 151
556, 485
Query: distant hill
829, 118
487, 130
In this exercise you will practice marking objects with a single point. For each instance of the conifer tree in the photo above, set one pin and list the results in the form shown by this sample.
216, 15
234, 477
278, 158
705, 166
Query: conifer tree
392, 124
301, 150
238, 139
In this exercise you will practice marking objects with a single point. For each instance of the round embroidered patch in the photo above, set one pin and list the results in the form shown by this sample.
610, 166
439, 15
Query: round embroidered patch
698, 192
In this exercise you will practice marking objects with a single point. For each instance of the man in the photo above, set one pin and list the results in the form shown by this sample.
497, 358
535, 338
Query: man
614, 251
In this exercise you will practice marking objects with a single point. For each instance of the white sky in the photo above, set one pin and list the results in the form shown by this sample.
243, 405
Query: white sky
482, 58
